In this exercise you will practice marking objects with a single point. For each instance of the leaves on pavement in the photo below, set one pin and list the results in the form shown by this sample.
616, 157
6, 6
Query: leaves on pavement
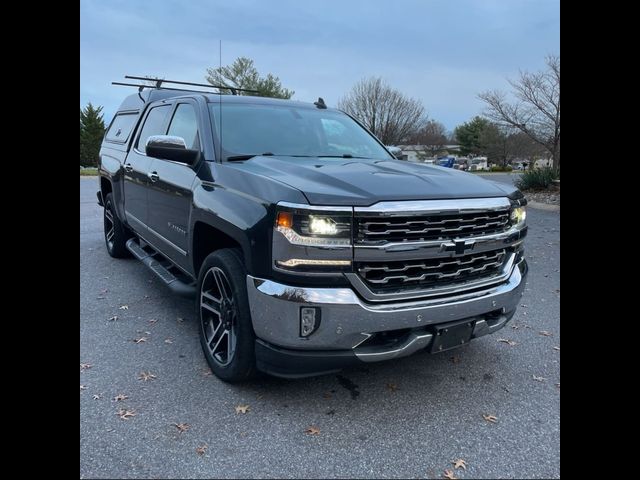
392, 386
85, 366
140, 340
450, 475
153, 320
556, 348
460, 463
126, 414
180, 319
168, 340
182, 427
544, 333
312, 430
201, 449
511, 343
124, 307
558, 385
455, 359
146, 376
120, 397
114, 318
539, 379
83, 387
242, 408
97, 396
490, 418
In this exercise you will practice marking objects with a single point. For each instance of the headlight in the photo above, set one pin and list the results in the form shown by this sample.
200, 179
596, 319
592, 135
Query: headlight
314, 230
518, 216
312, 240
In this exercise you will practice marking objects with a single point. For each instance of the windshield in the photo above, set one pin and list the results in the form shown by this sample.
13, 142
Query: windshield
252, 129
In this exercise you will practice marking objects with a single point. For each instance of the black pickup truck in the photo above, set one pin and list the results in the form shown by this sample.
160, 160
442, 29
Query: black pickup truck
307, 246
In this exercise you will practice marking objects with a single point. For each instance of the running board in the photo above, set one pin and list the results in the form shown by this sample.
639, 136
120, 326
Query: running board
169, 279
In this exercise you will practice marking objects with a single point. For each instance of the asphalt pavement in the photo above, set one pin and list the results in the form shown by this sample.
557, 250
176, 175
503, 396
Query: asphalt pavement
409, 418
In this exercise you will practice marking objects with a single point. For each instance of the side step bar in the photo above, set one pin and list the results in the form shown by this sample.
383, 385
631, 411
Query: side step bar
169, 279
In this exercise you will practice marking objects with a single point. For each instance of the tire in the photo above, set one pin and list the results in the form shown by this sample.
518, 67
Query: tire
222, 309
115, 233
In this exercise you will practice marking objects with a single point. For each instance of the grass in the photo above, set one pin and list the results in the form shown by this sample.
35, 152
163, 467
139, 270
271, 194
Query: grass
90, 171
537, 179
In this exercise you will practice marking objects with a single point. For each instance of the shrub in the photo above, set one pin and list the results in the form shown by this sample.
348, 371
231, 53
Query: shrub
499, 168
536, 179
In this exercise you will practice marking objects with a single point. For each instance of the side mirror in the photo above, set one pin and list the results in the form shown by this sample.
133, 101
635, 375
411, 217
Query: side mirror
173, 148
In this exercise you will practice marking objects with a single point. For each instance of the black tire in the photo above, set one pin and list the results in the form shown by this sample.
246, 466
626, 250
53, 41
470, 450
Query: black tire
115, 233
225, 318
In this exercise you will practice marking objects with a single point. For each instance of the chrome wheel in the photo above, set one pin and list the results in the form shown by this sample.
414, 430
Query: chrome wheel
109, 226
218, 315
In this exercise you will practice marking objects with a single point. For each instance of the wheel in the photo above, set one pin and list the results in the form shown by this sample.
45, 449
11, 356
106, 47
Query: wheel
115, 233
222, 309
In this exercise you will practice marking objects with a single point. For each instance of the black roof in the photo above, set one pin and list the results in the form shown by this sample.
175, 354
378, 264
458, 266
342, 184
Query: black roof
138, 101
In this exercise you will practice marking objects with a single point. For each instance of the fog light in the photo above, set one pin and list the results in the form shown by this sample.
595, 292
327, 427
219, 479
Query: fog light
309, 320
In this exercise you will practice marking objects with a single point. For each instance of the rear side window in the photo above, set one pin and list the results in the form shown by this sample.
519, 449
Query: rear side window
121, 127
153, 125
185, 124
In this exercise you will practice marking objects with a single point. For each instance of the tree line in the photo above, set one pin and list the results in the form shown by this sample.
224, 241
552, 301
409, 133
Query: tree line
523, 123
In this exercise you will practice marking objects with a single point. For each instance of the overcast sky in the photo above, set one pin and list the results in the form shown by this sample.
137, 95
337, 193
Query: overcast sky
442, 52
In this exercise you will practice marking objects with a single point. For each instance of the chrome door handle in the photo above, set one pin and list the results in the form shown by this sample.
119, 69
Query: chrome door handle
153, 176
128, 167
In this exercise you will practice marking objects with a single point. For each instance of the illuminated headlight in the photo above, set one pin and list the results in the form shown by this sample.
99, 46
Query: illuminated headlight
322, 225
315, 230
518, 216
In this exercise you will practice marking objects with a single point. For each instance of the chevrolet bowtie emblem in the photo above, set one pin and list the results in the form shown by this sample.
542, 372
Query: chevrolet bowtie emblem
457, 246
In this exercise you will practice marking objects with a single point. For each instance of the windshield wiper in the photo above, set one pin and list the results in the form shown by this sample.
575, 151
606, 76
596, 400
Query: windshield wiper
248, 157
344, 155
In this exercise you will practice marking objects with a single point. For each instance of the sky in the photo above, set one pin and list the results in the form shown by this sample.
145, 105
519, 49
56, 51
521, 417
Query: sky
441, 52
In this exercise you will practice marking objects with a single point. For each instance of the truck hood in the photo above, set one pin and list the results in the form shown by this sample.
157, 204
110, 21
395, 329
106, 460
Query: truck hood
358, 182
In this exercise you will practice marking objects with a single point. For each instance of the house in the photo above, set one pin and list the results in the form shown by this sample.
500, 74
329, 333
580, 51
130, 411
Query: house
421, 153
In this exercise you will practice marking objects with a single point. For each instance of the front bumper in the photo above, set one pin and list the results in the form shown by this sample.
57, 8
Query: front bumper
347, 322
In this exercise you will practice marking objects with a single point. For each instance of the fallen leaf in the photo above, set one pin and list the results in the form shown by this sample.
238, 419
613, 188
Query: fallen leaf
168, 340
180, 319
102, 292
201, 449
455, 359
97, 396
312, 430
326, 395
120, 397
242, 408
544, 333
114, 318
558, 385
511, 343
490, 418
515, 326
125, 414
524, 313
523, 305
182, 427
153, 320
460, 463
392, 386
85, 366
83, 387
146, 376
539, 379
124, 307
449, 474
206, 373
140, 340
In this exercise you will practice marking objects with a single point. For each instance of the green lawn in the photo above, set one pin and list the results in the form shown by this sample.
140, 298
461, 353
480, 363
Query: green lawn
85, 172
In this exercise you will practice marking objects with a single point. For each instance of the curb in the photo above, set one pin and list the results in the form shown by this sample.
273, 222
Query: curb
544, 206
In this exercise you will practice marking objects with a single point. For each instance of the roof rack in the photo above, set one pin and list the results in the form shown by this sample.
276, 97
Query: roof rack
160, 81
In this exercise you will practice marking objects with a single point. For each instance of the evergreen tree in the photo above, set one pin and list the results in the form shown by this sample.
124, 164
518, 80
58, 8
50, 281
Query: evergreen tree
91, 133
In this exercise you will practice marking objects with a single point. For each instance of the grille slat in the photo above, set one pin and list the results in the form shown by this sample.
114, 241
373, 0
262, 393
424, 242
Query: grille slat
379, 230
433, 272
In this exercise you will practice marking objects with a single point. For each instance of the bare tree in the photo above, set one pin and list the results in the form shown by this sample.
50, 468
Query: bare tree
433, 136
389, 115
536, 110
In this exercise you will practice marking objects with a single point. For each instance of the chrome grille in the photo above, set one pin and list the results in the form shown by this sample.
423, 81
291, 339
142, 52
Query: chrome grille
372, 230
434, 272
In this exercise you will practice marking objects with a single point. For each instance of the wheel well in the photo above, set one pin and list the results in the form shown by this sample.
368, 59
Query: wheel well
207, 239
105, 187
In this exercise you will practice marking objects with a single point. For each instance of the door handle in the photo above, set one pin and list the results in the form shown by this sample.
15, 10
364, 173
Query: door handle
153, 176
128, 167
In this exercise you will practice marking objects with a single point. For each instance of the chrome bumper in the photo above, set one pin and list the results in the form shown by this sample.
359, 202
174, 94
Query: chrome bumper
347, 321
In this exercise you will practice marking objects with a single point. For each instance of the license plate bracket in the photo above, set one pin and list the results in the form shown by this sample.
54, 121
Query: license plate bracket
452, 335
